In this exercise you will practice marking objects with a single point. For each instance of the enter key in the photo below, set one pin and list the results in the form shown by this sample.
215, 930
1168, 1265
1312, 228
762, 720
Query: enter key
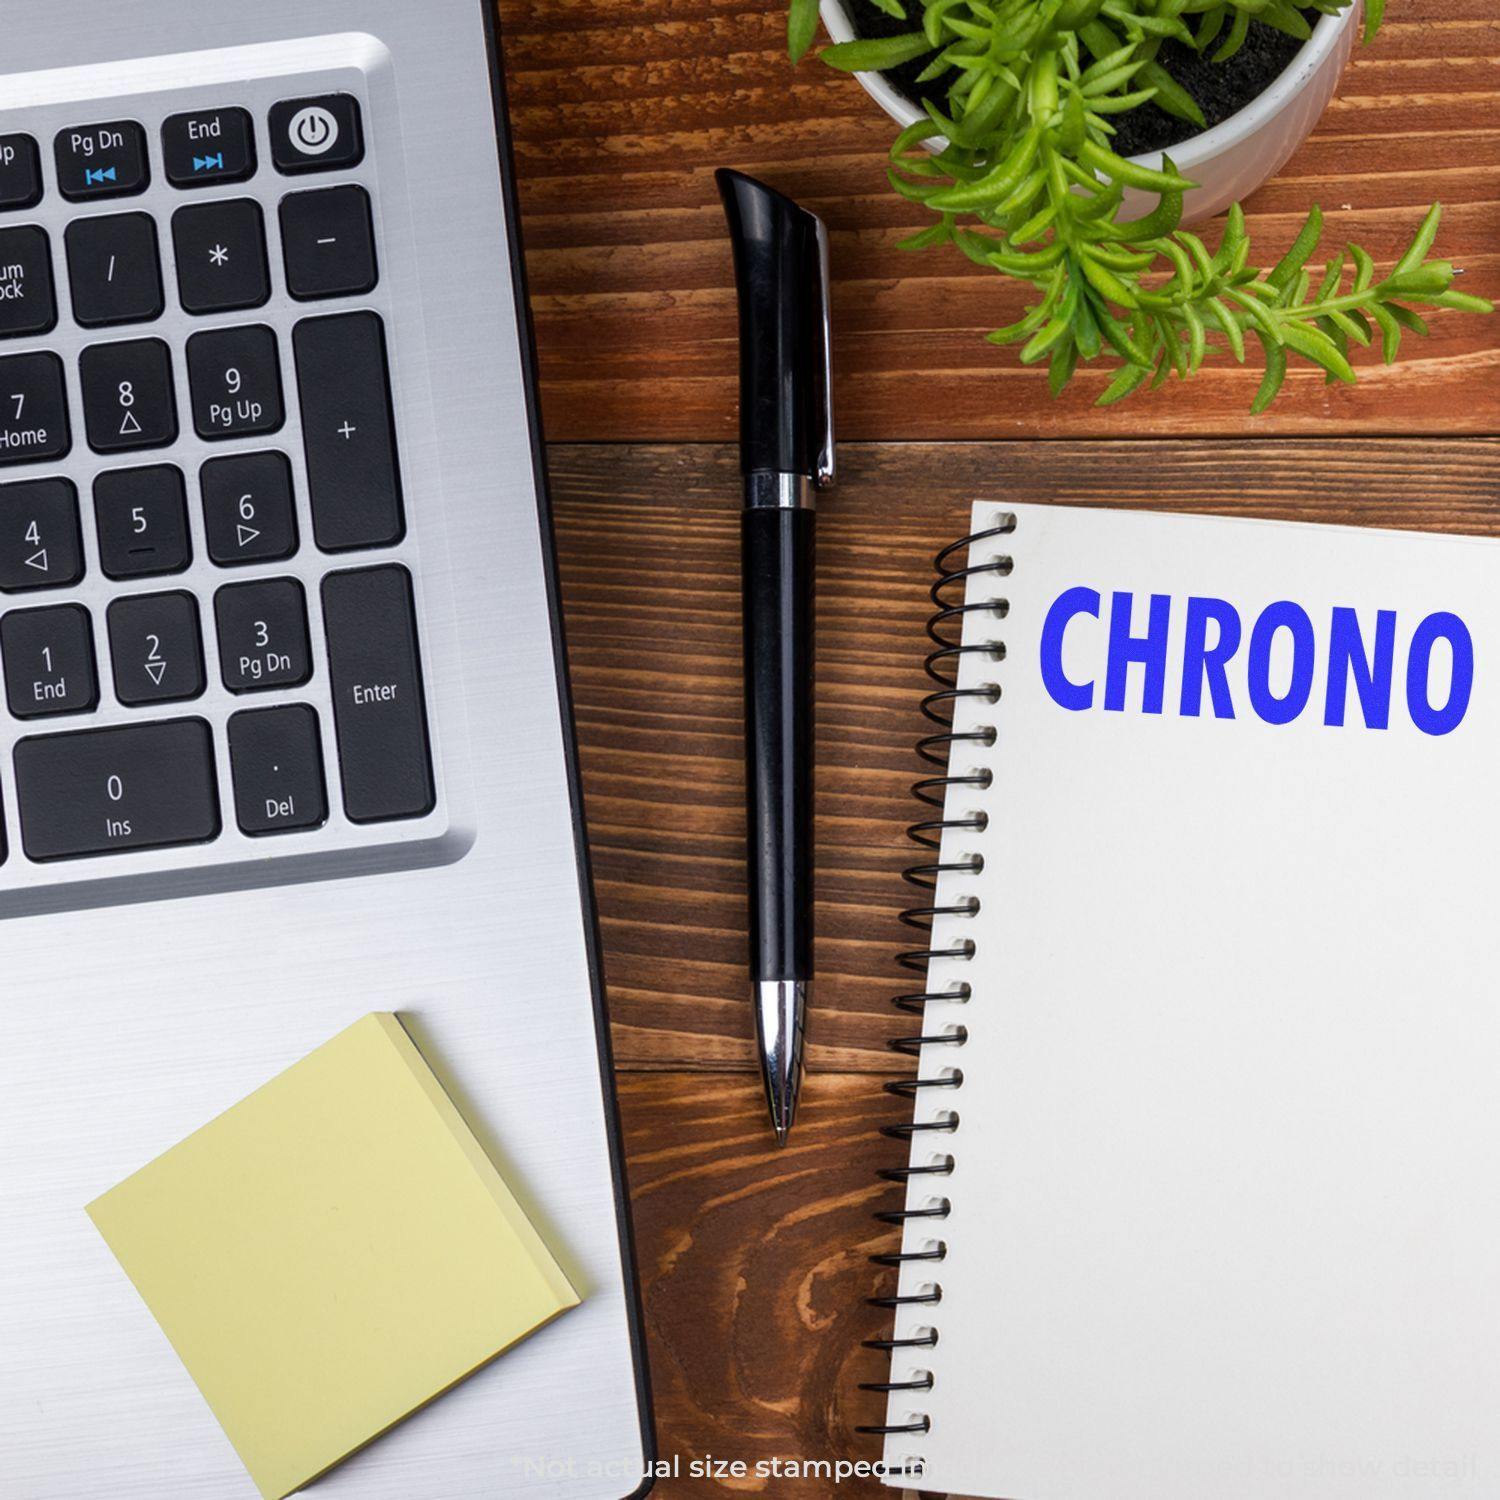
379, 710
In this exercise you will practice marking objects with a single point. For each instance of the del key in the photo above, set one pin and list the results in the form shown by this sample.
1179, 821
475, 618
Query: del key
378, 708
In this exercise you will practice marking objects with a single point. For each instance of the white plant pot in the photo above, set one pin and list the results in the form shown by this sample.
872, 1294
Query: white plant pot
1233, 158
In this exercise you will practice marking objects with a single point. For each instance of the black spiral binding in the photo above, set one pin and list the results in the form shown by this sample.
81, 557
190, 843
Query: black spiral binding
945, 630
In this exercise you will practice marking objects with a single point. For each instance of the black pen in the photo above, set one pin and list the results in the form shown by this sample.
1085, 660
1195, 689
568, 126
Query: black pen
786, 454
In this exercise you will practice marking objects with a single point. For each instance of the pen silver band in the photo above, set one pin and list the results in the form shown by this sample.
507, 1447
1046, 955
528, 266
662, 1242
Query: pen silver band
780, 1016
765, 491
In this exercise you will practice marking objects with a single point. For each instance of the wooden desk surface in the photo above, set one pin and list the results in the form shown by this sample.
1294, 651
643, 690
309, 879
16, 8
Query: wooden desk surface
753, 1260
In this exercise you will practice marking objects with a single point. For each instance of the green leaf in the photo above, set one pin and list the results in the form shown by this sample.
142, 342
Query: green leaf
1374, 15
1350, 327
938, 234
932, 20
1199, 252
1275, 376
1265, 324
995, 184
1407, 318
1106, 282
1333, 275
1064, 362
1426, 281
978, 247
1208, 31
1197, 338
1110, 60
1459, 302
1285, 17
801, 27
1034, 227
1043, 343
1390, 329
1118, 258
1129, 379
875, 54
1314, 344
1159, 223
1074, 129
1173, 346
1234, 238
1303, 246
1107, 83
1233, 42
1132, 174
913, 136
1171, 96
1086, 332
1364, 268
1230, 324
893, 8
1117, 336
1426, 236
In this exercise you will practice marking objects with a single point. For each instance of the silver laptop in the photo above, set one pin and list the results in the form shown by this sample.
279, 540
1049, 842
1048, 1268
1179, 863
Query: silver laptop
284, 735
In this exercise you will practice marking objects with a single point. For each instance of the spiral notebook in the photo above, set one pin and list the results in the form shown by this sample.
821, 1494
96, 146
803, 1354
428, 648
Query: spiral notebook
1204, 1199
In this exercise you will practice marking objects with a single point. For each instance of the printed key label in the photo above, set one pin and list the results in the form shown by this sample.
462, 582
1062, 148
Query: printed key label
115, 827
16, 431
93, 142
266, 664
235, 411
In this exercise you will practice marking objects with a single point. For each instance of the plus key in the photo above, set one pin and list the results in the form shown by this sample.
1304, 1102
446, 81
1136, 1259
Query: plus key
354, 477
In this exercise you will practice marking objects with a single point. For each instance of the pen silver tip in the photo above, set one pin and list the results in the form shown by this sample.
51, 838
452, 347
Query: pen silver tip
780, 1011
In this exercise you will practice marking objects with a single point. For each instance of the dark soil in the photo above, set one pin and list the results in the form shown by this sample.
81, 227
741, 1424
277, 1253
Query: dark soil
1221, 89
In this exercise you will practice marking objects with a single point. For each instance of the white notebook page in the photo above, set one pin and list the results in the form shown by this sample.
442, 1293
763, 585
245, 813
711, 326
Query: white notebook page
1225, 1211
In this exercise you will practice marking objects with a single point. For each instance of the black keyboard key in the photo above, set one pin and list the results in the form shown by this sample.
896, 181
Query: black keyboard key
102, 161
379, 711
156, 648
207, 146
20, 172
235, 374
328, 239
49, 661
105, 791
221, 256
318, 134
263, 635
28, 304
33, 409
353, 475
129, 397
142, 521
248, 512
114, 269
40, 543
276, 756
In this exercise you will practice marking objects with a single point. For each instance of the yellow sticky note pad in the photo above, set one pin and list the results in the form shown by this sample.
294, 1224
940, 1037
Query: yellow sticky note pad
331, 1254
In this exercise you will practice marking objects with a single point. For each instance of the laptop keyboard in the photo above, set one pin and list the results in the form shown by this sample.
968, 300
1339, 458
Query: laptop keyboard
144, 573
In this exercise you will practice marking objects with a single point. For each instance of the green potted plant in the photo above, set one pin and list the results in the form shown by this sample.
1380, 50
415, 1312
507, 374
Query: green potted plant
1012, 109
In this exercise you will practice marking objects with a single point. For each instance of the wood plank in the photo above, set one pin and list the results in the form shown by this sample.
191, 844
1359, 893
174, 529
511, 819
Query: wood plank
623, 108
648, 543
754, 1272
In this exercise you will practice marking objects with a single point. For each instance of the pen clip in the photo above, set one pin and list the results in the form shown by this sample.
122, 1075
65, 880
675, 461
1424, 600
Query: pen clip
827, 462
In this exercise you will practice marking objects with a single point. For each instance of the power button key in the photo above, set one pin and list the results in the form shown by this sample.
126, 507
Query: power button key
322, 134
